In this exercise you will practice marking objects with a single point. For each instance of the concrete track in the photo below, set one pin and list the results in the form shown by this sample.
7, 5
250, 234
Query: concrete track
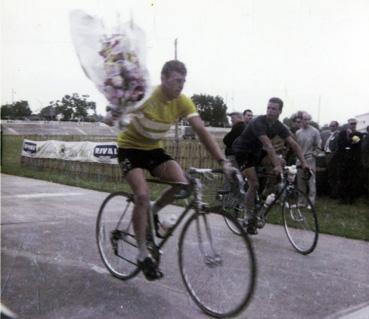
50, 266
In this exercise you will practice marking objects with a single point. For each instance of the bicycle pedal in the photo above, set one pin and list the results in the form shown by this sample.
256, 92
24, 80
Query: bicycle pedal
260, 223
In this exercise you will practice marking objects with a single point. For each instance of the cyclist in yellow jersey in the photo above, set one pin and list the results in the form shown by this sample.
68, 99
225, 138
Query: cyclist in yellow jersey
140, 148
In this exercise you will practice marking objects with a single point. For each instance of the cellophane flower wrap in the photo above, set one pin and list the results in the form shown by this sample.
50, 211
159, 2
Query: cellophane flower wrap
114, 62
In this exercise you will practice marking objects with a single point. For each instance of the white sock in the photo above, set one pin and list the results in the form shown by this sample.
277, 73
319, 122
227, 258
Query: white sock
142, 251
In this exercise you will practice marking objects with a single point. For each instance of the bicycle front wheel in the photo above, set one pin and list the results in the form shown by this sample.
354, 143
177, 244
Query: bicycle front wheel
217, 267
300, 221
115, 236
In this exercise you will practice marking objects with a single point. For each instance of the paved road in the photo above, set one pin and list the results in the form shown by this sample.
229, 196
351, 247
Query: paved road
50, 267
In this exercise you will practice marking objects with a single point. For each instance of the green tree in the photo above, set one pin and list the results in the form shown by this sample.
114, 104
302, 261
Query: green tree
15, 111
70, 107
48, 113
212, 110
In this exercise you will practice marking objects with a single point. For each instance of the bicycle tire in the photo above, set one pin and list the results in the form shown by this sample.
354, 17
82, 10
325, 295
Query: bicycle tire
218, 268
238, 215
115, 237
300, 221
229, 205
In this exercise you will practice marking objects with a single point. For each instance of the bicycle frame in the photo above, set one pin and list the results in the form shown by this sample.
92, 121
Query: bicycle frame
270, 206
286, 184
160, 242
195, 192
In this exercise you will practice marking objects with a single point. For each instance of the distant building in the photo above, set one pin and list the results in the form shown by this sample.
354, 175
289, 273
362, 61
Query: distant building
362, 122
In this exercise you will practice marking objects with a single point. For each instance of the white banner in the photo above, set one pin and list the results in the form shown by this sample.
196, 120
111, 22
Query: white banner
100, 152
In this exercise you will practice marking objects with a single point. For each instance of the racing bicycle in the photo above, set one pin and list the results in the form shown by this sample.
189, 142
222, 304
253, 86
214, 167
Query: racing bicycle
299, 216
218, 268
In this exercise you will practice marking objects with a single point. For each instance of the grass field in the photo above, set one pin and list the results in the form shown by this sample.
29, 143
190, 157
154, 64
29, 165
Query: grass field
351, 221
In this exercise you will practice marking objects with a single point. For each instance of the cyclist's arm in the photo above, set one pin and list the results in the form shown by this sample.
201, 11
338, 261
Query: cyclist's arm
268, 147
297, 149
206, 139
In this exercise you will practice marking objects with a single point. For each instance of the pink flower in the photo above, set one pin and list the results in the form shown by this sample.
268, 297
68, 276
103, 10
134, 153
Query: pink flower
119, 93
117, 80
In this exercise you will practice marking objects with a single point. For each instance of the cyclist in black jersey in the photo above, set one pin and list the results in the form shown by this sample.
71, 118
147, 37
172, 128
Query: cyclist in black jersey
250, 147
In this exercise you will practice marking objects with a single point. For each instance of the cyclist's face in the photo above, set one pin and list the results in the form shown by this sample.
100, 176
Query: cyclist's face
273, 111
173, 84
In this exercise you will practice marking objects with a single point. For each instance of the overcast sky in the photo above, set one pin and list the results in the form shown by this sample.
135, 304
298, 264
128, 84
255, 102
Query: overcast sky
314, 54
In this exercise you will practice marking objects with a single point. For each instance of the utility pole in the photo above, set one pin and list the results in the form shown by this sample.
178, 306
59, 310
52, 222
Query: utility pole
319, 103
175, 48
13, 93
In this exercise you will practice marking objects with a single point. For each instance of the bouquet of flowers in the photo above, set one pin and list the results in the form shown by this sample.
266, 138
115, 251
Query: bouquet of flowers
114, 62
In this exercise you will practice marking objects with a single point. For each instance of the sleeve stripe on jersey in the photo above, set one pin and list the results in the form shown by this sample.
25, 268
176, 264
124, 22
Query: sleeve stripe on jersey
147, 123
144, 132
192, 115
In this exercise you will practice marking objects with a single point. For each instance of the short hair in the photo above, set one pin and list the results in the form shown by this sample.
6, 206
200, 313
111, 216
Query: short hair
245, 111
278, 101
173, 66
306, 116
234, 113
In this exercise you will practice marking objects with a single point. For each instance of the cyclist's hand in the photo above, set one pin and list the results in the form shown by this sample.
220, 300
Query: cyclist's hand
305, 166
277, 170
229, 170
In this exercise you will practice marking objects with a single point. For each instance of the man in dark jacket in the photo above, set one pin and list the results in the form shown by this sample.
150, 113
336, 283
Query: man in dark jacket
348, 157
238, 125
329, 146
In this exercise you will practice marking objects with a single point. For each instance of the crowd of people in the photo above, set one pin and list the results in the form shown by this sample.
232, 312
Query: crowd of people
347, 161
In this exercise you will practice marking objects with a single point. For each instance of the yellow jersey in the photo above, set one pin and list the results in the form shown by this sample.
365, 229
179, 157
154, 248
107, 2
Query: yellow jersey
154, 119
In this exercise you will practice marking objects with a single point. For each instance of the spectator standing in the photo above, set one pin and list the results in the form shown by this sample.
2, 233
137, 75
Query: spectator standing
308, 137
329, 141
247, 116
296, 123
238, 126
329, 146
348, 157
365, 160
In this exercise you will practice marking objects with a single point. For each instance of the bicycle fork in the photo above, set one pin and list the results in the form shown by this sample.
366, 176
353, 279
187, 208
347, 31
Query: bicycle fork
211, 258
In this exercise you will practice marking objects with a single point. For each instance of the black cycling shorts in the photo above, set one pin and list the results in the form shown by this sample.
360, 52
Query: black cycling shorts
130, 158
247, 160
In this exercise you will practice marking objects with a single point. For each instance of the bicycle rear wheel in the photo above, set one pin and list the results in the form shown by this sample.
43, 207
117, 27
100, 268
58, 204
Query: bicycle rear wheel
233, 205
115, 236
238, 215
217, 268
300, 221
